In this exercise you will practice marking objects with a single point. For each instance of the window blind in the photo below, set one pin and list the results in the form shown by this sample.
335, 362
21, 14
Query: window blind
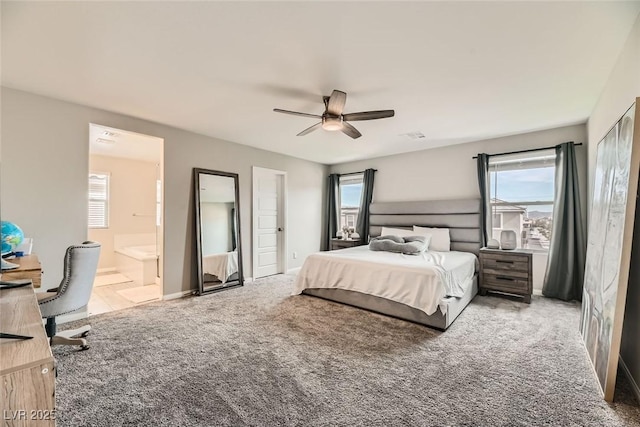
508, 162
98, 200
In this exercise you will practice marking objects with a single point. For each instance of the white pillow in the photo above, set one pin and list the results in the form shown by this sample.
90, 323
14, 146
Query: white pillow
401, 232
440, 238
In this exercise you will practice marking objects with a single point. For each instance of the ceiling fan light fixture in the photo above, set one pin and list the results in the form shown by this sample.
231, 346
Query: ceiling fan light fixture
333, 118
332, 123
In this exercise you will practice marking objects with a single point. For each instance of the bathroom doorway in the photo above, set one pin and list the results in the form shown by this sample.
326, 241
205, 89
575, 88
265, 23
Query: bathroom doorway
125, 216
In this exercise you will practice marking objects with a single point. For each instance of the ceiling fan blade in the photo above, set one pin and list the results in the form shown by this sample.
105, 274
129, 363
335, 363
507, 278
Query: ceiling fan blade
336, 102
350, 130
310, 129
296, 113
368, 115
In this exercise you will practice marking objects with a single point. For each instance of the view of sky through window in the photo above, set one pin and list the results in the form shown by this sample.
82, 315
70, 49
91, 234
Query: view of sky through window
524, 185
350, 195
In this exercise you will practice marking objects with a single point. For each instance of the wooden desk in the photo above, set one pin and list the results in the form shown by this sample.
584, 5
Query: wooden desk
27, 370
29, 269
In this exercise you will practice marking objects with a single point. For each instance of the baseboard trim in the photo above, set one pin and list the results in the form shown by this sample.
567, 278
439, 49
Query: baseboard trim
177, 295
632, 381
537, 292
106, 270
294, 270
248, 279
70, 317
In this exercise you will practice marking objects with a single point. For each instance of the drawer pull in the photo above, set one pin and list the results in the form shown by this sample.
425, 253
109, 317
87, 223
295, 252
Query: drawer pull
504, 262
505, 278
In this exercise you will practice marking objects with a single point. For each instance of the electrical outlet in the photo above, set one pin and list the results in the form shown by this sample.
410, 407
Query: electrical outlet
295, 255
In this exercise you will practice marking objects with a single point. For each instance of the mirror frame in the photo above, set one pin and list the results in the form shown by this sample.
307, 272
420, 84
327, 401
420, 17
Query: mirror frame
198, 231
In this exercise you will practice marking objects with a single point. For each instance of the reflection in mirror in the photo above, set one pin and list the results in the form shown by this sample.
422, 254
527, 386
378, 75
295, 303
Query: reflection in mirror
219, 257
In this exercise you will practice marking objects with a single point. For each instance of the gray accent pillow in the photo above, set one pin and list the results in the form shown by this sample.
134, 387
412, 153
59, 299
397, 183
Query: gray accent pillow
392, 237
410, 245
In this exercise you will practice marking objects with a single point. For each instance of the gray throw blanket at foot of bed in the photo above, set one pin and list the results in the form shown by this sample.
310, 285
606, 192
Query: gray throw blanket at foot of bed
410, 245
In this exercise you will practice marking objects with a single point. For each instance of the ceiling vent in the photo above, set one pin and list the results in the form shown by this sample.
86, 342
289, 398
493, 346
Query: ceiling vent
414, 136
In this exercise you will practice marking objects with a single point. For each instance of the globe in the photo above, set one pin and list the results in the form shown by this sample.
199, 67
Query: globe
11, 236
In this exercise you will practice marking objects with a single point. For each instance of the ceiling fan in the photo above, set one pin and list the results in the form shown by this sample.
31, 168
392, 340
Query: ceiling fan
333, 119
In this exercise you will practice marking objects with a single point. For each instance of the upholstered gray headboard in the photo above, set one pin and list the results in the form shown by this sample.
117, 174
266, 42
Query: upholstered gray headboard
461, 217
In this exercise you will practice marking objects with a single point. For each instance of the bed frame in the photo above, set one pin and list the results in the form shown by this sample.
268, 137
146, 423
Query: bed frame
462, 217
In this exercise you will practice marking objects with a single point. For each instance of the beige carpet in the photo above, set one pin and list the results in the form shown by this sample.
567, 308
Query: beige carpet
141, 294
257, 356
110, 279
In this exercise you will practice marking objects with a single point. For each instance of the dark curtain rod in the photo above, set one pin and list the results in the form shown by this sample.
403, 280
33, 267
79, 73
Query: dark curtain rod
354, 173
524, 151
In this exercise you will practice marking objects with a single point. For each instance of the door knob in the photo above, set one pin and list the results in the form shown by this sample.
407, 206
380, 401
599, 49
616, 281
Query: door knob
279, 228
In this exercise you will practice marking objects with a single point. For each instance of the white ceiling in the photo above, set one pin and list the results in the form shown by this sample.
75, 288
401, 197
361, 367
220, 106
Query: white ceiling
455, 71
107, 141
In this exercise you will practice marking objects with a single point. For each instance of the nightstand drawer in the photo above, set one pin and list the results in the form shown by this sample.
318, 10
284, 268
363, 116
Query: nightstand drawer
341, 244
502, 281
515, 274
506, 262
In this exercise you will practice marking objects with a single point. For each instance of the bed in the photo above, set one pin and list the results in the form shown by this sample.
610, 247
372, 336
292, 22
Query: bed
222, 265
431, 289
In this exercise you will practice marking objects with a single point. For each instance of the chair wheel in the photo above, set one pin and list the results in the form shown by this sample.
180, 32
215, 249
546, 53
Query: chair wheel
84, 347
84, 334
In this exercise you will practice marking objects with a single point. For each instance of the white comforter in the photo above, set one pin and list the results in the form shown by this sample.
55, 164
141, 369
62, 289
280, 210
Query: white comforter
221, 265
419, 281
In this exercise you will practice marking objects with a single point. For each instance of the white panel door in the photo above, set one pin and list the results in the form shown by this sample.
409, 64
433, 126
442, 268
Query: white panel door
268, 222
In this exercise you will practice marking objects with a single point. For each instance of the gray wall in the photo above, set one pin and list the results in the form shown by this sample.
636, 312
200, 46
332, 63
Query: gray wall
450, 172
45, 152
617, 96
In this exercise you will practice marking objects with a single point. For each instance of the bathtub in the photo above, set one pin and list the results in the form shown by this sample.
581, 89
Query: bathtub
139, 263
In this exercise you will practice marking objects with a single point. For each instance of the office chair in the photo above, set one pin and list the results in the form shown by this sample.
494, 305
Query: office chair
80, 265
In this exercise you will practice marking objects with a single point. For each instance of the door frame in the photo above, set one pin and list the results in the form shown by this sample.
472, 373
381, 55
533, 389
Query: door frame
160, 229
282, 208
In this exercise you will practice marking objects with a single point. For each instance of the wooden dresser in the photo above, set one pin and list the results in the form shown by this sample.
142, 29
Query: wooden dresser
27, 369
341, 244
29, 269
508, 272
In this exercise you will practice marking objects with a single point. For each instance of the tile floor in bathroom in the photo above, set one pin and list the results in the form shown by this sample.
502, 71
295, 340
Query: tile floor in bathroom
106, 298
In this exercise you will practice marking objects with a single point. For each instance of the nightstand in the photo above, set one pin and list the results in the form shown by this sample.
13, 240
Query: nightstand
506, 272
341, 244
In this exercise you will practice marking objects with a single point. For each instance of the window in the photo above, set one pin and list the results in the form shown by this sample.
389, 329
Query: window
522, 187
350, 192
351, 221
98, 200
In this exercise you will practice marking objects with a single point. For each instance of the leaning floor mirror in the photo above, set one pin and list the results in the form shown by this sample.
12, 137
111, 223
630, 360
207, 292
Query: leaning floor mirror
218, 247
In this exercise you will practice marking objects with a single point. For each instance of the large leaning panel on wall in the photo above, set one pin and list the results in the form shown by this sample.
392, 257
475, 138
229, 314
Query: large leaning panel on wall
609, 246
218, 243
